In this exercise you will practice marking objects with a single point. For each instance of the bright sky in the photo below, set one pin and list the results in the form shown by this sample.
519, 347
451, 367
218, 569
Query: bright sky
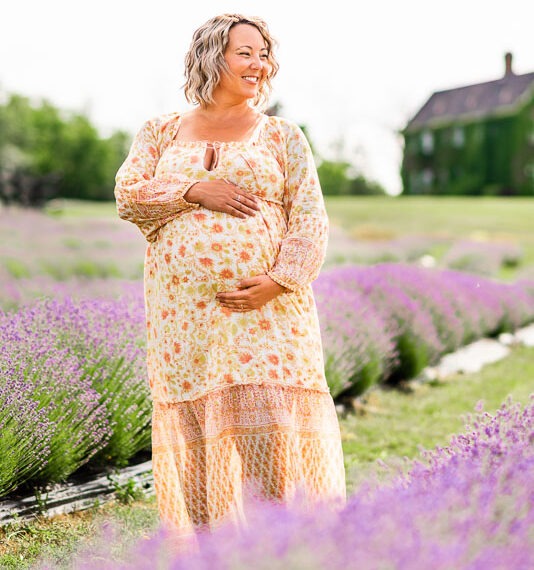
352, 71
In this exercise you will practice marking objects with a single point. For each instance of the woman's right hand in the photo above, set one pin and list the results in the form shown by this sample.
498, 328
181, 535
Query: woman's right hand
223, 196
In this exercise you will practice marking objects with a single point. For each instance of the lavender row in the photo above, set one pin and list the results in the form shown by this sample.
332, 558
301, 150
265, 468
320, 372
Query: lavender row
72, 388
38, 246
387, 322
76, 371
480, 256
466, 506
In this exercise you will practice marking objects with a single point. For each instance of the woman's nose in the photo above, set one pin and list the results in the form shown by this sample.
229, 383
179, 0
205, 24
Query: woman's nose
257, 63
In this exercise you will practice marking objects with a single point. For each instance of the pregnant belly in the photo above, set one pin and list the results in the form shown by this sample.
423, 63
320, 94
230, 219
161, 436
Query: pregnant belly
213, 247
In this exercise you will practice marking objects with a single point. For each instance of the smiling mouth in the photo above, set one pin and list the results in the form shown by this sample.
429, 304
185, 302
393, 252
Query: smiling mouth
251, 79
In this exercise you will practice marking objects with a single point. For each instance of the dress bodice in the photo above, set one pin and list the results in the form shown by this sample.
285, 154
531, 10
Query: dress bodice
249, 164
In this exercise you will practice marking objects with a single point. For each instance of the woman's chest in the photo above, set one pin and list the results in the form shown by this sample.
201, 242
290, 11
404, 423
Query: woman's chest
253, 167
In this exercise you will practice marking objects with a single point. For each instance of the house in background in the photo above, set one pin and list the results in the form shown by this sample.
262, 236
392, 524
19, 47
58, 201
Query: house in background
473, 140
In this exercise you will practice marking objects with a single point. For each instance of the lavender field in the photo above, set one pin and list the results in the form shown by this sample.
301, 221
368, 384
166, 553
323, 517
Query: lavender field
464, 506
74, 395
76, 368
85, 250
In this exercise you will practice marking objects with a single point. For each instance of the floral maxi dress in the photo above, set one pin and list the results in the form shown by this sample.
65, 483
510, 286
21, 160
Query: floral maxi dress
238, 397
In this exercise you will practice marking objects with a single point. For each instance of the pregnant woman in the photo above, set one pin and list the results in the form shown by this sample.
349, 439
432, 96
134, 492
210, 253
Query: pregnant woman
229, 201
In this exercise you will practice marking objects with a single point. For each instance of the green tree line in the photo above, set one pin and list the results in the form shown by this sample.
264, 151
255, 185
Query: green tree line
336, 180
43, 143
46, 152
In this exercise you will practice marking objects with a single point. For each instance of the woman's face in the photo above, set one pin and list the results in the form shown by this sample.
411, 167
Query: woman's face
247, 58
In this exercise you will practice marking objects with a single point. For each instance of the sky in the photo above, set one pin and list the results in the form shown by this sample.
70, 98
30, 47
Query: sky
353, 72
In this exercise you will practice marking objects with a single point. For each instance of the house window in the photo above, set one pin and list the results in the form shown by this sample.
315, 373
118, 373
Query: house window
427, 177
458, 137
427, 142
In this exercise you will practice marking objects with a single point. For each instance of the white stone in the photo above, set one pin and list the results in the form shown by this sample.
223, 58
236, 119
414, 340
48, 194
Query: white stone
472, 357
429, 373
427, 260
507, 339
525, 335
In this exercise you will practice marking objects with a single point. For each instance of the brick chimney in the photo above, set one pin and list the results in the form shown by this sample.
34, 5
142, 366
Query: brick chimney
508, 64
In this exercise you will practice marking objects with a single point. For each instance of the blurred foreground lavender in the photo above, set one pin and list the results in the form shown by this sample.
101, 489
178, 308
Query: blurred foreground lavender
465, 506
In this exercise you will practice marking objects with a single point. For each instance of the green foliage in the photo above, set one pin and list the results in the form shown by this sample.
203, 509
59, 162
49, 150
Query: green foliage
413, 357
333, 177
128, 492
16, 268
41, 140
335, 180
361, 186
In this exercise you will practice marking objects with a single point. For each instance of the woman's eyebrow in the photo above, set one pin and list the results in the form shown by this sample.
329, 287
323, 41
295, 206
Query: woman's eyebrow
250, 47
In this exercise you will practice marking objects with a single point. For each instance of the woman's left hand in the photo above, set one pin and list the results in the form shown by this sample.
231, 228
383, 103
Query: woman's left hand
252, 293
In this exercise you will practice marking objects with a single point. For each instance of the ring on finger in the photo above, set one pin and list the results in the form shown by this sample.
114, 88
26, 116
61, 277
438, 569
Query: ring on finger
238, 198
241, 306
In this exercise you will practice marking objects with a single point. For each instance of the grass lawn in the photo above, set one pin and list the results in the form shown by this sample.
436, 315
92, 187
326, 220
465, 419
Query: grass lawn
437, 215
391, 424
467, 217
394, 423
442, 215
60, 537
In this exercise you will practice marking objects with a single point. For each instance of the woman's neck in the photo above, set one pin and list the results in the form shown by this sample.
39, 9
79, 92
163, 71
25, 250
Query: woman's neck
226, 111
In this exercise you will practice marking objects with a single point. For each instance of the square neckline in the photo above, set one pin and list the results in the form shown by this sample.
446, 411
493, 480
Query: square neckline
251, 140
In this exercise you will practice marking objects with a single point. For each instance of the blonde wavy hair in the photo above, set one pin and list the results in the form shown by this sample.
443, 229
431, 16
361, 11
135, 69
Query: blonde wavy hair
204, 62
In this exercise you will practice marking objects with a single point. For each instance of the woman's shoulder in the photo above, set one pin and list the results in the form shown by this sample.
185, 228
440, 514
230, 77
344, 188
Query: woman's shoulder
162, 122
282, 129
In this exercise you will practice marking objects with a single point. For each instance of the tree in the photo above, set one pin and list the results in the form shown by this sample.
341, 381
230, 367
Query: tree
334, 178
43, 147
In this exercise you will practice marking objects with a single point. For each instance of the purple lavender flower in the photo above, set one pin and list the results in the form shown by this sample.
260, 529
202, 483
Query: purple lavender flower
467, 506
83, 363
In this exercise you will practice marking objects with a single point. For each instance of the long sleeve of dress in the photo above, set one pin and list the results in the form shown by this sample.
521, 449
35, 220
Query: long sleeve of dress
303, 248
141, 198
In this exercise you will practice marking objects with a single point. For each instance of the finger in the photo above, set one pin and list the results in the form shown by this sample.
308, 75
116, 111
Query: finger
233, 296
235, 212
249, 200
244, 204
236, 307
246, 209
249, 282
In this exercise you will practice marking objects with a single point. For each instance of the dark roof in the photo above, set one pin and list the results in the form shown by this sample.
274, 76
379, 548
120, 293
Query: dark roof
500, 97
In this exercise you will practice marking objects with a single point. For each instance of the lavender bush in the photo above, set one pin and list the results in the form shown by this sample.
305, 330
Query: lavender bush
485, 258
422, 312
80, 368
467, 506
358, 343
26, 433
17, 292
34, 244
33, 352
